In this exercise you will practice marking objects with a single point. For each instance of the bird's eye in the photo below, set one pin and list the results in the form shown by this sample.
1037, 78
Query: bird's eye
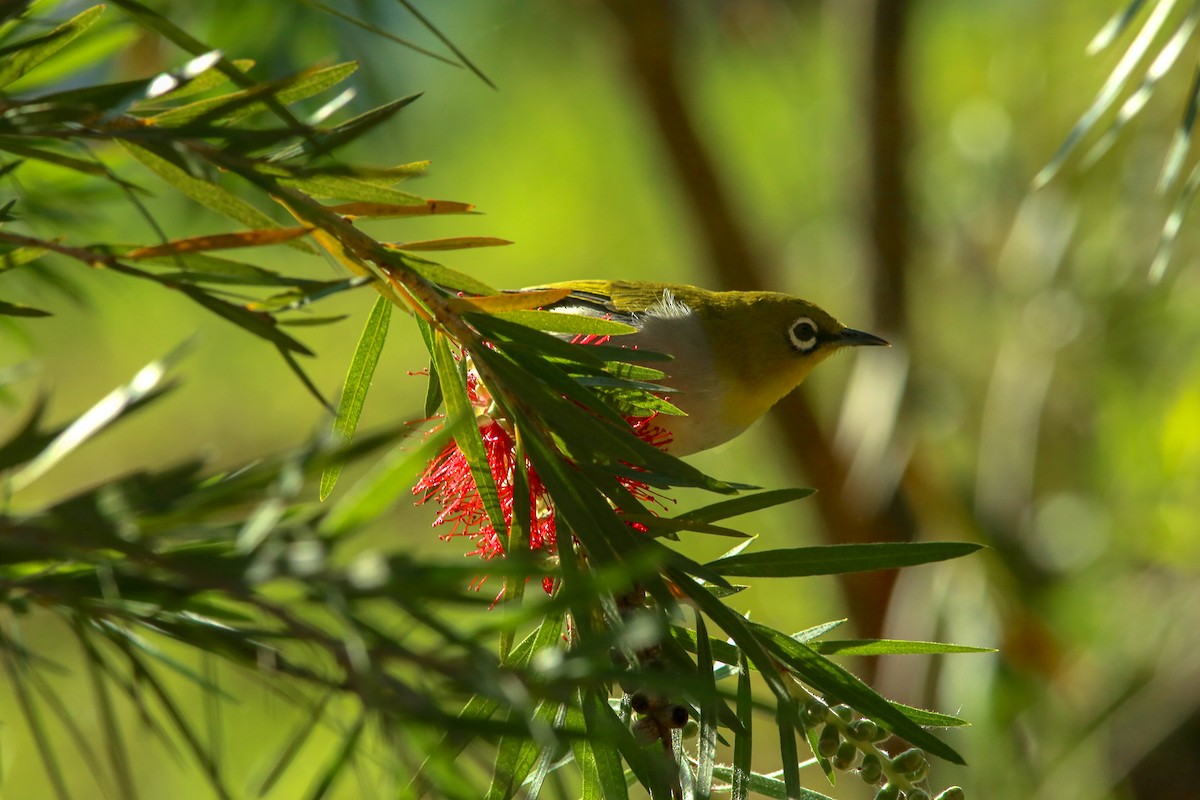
803, 334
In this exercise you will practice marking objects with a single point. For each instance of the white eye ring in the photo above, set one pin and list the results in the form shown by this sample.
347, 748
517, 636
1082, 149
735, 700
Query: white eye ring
803, 334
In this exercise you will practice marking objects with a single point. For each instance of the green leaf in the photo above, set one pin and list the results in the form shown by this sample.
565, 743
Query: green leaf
1182, 141
11, 259
767, 786
259, 323
836, 559
786, 714
112, 407
517, 756
437, 274
891, 647
155, 21
706, 748
603, 763
391, 477
347, 188
206, 193
744, 505
736, 627
743, 741
460, 419
590, 428
1109, 93
358, 381
462, 57
342, 135
93, 168
18, 310
341, 759
433, 386
191, 83
244, 103
929, 719
832, 680
24, 56
605, 727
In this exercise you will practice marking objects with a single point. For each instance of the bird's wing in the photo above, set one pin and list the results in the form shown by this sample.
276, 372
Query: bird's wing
619, 298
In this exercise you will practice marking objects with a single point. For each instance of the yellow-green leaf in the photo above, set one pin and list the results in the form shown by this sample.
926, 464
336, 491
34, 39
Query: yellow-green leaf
456, 243
388, 210
221, 241
40, 48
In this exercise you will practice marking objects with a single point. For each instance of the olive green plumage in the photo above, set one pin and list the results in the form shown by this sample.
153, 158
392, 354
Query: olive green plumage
735, 353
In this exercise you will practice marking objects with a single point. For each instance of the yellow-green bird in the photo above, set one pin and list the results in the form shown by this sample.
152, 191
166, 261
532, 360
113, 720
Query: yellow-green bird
735, 354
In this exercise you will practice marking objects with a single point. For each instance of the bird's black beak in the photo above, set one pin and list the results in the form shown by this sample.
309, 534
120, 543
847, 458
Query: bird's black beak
848, 337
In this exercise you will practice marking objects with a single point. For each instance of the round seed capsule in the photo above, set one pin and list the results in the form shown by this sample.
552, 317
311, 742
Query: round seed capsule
863, 730
844, 712
845, 756
814, 713
889, 791
952, 793
871, 769
909, 761
827, 745
916, 794
677, 716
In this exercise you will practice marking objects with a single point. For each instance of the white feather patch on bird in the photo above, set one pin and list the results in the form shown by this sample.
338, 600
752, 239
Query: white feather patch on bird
668, 307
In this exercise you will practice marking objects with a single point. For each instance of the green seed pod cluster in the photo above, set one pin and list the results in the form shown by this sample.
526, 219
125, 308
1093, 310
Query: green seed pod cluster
844, 740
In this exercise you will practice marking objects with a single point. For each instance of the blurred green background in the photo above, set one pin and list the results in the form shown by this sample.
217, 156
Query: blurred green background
1043, 396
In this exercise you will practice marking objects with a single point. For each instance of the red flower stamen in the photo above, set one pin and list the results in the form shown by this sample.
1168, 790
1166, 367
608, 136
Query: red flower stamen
448, 481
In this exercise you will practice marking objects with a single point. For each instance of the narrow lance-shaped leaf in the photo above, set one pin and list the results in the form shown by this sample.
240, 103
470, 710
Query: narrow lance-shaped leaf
19, 62
358, 382
831, 679
294, 88
460, 417
454, 243
20, 310
785, 718
1109, 92
706, 744
177, 85
340, 761
354, 189
97, 418
1136, 101
768, 786
836, 559
390, 210
204, 192
891, 647
743, 742
222, 241
1173, 164
744, 505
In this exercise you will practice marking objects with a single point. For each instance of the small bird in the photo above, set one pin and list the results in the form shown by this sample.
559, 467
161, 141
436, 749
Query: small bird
735, 354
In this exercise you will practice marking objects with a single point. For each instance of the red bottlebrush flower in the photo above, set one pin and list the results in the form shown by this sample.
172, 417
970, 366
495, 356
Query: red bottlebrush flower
448, 481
